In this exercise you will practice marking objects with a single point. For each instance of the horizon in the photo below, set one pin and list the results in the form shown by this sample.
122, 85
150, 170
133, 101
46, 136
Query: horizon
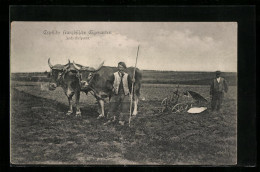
143, 70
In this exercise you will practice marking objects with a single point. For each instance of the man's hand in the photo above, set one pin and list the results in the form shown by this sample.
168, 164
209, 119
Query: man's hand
133, 80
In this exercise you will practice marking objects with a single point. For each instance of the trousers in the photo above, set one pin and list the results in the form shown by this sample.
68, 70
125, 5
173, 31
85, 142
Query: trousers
119, 107
216, 101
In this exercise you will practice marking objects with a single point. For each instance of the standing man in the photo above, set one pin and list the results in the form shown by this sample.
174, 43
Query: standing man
217, 89
119, 105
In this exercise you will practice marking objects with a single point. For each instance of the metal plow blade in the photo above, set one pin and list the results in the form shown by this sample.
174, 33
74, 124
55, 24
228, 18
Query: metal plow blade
197, 96
196, 109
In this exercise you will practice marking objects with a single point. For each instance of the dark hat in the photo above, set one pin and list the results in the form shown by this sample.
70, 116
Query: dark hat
218, 72
122, 64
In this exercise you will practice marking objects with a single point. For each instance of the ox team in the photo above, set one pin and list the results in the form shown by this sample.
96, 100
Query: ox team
114, 83
102, 82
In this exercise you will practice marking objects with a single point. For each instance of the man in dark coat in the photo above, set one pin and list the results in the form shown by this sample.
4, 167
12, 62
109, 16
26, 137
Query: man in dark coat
119, 105
217, 89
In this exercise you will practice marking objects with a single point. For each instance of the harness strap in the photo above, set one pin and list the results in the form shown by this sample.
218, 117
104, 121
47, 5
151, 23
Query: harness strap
63, 75
95, 94
78, 75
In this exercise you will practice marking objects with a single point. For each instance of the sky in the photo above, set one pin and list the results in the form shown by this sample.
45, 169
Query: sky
170, 46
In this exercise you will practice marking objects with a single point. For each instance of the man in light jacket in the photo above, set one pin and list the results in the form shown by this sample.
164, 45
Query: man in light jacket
217, 89
119, 105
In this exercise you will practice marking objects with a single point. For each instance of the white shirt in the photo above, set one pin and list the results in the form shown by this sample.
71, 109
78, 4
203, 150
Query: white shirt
117, 81
218, 79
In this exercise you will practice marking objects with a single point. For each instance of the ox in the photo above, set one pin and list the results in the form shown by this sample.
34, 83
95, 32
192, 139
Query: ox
66, 77
97, 82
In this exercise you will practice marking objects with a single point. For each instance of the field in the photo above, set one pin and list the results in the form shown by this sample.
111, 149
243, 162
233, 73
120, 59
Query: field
41, 133
149, 76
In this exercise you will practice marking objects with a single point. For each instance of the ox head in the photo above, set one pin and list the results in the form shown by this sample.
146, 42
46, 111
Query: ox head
56, 74
87, 73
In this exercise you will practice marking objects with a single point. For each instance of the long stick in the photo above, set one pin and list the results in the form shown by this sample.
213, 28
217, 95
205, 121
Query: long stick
131, 95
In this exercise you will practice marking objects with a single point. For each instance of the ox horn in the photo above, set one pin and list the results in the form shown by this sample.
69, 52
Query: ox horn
90, 69
51, 66
99, 67
76, 66
68, 64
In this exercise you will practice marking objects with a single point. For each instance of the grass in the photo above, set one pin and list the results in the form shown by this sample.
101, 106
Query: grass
41, 133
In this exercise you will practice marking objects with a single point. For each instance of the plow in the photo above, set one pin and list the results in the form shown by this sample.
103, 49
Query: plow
187, 101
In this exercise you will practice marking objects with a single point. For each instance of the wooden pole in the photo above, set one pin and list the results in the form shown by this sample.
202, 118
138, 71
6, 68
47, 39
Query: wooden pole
131, 95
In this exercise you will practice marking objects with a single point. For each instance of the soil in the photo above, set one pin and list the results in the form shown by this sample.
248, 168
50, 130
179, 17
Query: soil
41, 133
